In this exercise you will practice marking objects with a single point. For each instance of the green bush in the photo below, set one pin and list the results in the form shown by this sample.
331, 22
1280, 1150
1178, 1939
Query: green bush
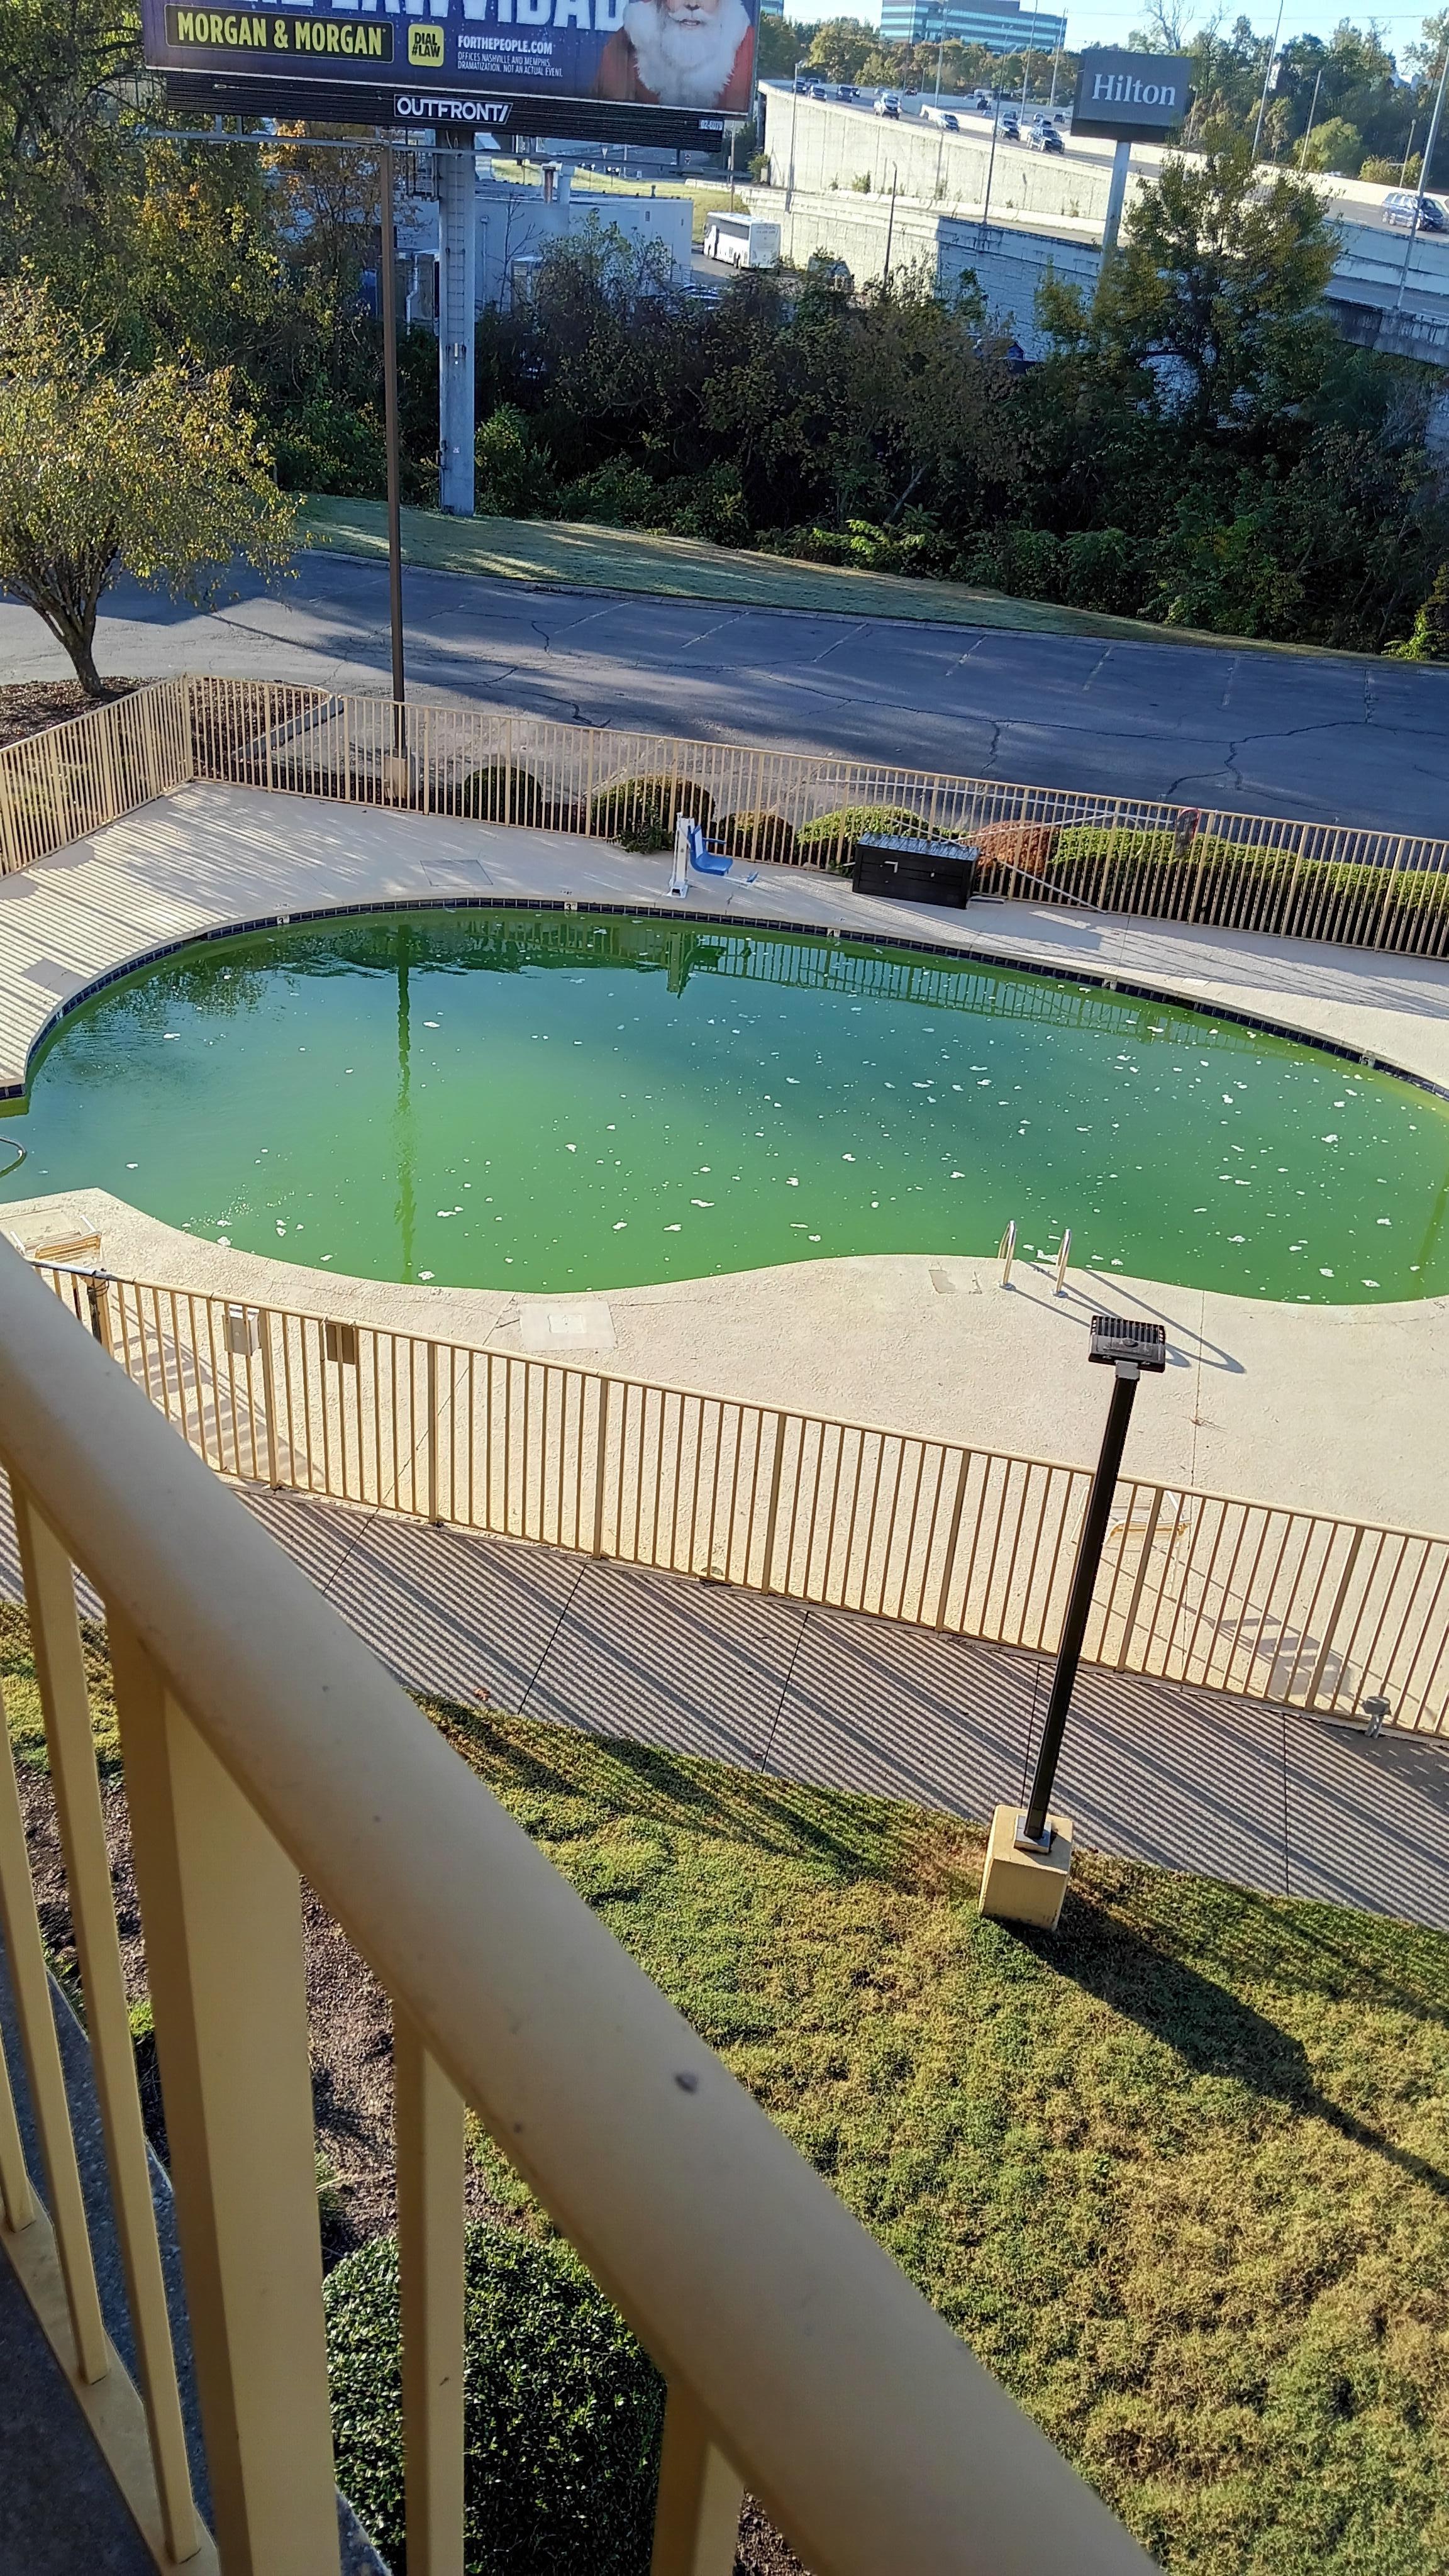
503, 791
562, 2410
515, 477
615, 495
1429, 641
640, 813
829, 837
759, 838
327, 446
1131, 858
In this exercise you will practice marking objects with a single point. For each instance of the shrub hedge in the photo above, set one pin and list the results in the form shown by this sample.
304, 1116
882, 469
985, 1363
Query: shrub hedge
1128, 854
640, 813
757, 837
504, 791
830, 835
562, 2410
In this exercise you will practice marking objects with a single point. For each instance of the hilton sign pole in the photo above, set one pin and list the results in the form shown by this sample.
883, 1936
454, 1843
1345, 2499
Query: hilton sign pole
1131, 98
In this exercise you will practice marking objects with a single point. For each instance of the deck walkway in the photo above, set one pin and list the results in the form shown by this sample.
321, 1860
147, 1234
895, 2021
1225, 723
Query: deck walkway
1259, 1796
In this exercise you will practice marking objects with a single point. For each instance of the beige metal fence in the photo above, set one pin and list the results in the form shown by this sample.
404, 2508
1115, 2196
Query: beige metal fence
1333, 882
264, 1746
1295, 1607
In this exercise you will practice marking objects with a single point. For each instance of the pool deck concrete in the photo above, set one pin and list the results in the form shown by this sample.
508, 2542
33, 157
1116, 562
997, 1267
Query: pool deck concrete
1327, 1408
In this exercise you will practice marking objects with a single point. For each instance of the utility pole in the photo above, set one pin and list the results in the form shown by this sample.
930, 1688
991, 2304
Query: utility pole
1423, 183
1267, 81
990, 166
1030, 49
1308, 129
387, 281
1408, 151
794, 106
890, 226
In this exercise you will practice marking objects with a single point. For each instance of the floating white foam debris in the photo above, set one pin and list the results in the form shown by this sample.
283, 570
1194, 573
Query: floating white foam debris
326, 1256
701, 1202
1324, 1274
793, 1184
1328, 1140
432, 1024
568, 1149
622, 1222
673, 1229
133, 1167
223, 1243
794, 1078
815, 1238
1237, 1238
425, 1274
958, 1176
170, 1037
1381, 1220
1368, 1283
281, 1229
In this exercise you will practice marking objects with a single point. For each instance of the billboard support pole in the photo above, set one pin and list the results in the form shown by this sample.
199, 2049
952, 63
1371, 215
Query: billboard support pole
1116, 197
388, 283
458, 243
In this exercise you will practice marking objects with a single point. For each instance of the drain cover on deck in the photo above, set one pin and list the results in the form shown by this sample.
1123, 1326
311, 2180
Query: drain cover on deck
566, 1328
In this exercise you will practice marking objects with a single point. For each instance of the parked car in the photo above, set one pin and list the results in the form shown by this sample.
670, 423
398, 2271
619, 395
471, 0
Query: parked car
1399, 213
942, 116
1045, 138
888, 104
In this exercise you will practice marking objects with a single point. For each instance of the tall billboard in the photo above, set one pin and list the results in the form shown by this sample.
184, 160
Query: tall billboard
1139, 98
600, 63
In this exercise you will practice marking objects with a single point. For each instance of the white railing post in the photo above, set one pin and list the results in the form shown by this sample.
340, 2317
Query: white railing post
221, 1911
60, 1669
429, 2131
697, 2517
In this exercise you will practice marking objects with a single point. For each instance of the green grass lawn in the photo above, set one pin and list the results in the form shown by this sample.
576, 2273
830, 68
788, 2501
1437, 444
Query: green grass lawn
567, 554
1180, 2174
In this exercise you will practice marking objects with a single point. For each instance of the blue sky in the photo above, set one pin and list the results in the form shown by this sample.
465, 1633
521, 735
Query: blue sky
1101, 22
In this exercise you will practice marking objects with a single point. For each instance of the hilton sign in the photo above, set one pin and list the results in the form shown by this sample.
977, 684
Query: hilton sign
1139, 98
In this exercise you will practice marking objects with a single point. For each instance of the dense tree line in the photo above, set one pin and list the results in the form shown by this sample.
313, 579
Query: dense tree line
1199, 446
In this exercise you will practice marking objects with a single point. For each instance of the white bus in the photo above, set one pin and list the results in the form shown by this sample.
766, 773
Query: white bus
742, 241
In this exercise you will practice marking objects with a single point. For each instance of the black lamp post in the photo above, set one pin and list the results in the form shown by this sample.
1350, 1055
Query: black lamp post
1128, 1348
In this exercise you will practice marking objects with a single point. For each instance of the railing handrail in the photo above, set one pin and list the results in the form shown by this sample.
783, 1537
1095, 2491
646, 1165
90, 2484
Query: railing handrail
854, 2412
242, 1301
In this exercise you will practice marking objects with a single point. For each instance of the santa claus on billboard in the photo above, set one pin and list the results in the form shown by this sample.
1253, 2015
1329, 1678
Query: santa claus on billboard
681, 53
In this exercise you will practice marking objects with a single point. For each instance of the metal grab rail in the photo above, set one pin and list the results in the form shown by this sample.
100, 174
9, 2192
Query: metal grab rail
262, 1740
1267, 1602
1340, 883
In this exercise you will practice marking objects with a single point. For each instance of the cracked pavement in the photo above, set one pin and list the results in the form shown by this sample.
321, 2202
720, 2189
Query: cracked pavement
1328, 738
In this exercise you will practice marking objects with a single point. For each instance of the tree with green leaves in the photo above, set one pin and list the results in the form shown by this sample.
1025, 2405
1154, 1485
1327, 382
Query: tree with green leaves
158, 474
1216, 292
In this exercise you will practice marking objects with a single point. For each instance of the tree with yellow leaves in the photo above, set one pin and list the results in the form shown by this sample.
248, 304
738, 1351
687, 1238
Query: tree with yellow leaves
159, 474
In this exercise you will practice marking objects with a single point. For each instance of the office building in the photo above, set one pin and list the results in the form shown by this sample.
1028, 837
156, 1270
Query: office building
1003, 28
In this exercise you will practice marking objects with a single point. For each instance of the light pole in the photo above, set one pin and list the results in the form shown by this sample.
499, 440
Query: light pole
1030, 1851
794, 110
1409, 150
388, 283
1030, 48
990, 166
1433, 138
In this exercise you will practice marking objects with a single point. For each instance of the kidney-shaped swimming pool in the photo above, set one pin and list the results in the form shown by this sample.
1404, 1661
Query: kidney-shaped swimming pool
549, 1100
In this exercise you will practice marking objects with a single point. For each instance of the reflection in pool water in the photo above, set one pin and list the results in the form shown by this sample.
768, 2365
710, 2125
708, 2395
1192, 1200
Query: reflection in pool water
545, 1100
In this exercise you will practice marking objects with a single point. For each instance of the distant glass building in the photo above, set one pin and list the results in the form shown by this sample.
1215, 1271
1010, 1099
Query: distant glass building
772, 8
1003, 29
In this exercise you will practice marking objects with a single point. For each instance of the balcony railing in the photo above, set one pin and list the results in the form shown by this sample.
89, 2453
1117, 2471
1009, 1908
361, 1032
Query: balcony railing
1354, 887
263, 1744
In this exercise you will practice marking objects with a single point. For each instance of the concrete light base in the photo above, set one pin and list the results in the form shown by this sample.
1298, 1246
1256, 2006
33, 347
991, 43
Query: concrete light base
1025, 1886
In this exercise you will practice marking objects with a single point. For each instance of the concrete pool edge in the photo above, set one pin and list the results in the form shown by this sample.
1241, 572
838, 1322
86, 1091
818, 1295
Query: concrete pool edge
1318, 1408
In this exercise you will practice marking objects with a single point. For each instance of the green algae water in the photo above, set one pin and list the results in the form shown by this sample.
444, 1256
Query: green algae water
546, 1100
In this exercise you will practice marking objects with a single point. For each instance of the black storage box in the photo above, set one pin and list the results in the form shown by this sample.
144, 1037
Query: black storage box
913, 871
